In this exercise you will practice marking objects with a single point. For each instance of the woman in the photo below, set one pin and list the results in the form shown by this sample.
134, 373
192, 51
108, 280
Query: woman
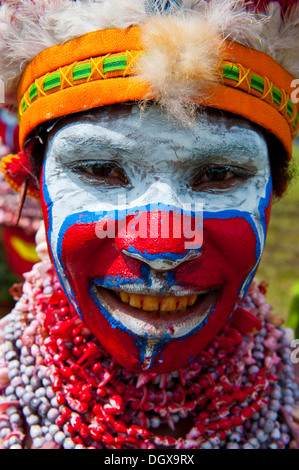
155, 223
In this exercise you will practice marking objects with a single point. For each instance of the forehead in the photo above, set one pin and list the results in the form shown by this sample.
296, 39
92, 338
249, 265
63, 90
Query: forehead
129, 129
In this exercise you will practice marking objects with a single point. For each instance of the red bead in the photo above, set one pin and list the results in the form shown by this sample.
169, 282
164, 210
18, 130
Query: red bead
97, 410
70, 429
236, 421
72, 310
57, 384
209, 392
224, 424
96, 368
95, 435
85, 397
213, 426
62, 329
77, 422
121, 440
60, 420
201, 428
196, 388
64, 310
60, 398
78, 339
120, 426
77, 440
239, 396
90, 353
92, 381
222, 435
76, 331
76, 351
76, 405
223, 412
247, 412
204, 382
108, 419
225, 383
84, 431
135, 405
108, 439
101, 428
55, 298
51, 345
86, 388
131, 440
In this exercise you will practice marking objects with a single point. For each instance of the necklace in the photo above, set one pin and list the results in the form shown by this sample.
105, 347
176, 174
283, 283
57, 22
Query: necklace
67, 389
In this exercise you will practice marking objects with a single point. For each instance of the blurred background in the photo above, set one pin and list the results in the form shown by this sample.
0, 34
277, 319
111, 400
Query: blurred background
279, 267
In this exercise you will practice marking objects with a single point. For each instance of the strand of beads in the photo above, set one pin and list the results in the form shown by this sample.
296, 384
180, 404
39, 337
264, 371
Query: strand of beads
11, 423
228, 390
73, 394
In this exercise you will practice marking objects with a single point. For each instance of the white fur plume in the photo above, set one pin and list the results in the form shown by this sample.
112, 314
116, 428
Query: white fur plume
182, 59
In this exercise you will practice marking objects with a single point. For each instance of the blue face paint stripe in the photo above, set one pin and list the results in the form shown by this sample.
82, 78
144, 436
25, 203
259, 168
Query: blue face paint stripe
264, 203
49, 205
161, 255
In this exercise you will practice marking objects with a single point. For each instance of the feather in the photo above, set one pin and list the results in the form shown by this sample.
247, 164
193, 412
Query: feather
280, 37
183, 54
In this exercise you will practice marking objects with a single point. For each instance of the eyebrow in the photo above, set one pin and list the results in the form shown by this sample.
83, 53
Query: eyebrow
88, 144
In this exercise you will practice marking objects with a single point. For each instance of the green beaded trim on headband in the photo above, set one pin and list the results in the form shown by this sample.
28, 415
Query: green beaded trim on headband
111, 66
96, 69
247, 81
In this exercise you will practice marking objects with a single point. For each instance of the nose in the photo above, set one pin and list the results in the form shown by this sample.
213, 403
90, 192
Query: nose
163, 239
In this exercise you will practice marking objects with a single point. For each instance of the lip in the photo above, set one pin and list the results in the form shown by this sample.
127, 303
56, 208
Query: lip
152, 325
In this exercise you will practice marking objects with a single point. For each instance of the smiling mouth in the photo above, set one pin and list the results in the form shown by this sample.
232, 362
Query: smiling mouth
155, 317
160, 305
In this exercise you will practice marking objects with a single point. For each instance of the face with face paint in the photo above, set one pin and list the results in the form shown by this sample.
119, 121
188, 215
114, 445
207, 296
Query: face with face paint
155, 230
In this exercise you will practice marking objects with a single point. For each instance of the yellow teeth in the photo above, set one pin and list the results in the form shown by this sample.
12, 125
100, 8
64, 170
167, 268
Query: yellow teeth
149, 303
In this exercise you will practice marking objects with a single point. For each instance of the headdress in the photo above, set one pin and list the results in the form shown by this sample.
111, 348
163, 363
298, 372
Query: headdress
59, 57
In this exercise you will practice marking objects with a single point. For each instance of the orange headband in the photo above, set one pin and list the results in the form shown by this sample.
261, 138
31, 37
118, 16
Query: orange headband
99, 69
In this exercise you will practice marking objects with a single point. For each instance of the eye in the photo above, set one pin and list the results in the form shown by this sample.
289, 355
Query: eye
218, 178
102, 173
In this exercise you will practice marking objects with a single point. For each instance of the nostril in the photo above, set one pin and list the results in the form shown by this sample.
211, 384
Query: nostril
163, 261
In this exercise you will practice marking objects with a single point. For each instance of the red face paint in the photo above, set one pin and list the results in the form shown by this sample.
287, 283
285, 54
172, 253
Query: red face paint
218, 265
228, 254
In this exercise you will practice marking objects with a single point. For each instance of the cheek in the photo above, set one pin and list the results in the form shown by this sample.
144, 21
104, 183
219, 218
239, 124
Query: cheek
230, 252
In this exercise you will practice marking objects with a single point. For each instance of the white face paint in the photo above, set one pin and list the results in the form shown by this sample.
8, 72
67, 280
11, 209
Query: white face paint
117, 158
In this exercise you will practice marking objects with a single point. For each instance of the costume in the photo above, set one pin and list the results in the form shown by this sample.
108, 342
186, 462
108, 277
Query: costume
134, 330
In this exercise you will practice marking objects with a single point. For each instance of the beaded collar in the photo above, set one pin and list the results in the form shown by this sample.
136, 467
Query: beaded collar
64, 390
